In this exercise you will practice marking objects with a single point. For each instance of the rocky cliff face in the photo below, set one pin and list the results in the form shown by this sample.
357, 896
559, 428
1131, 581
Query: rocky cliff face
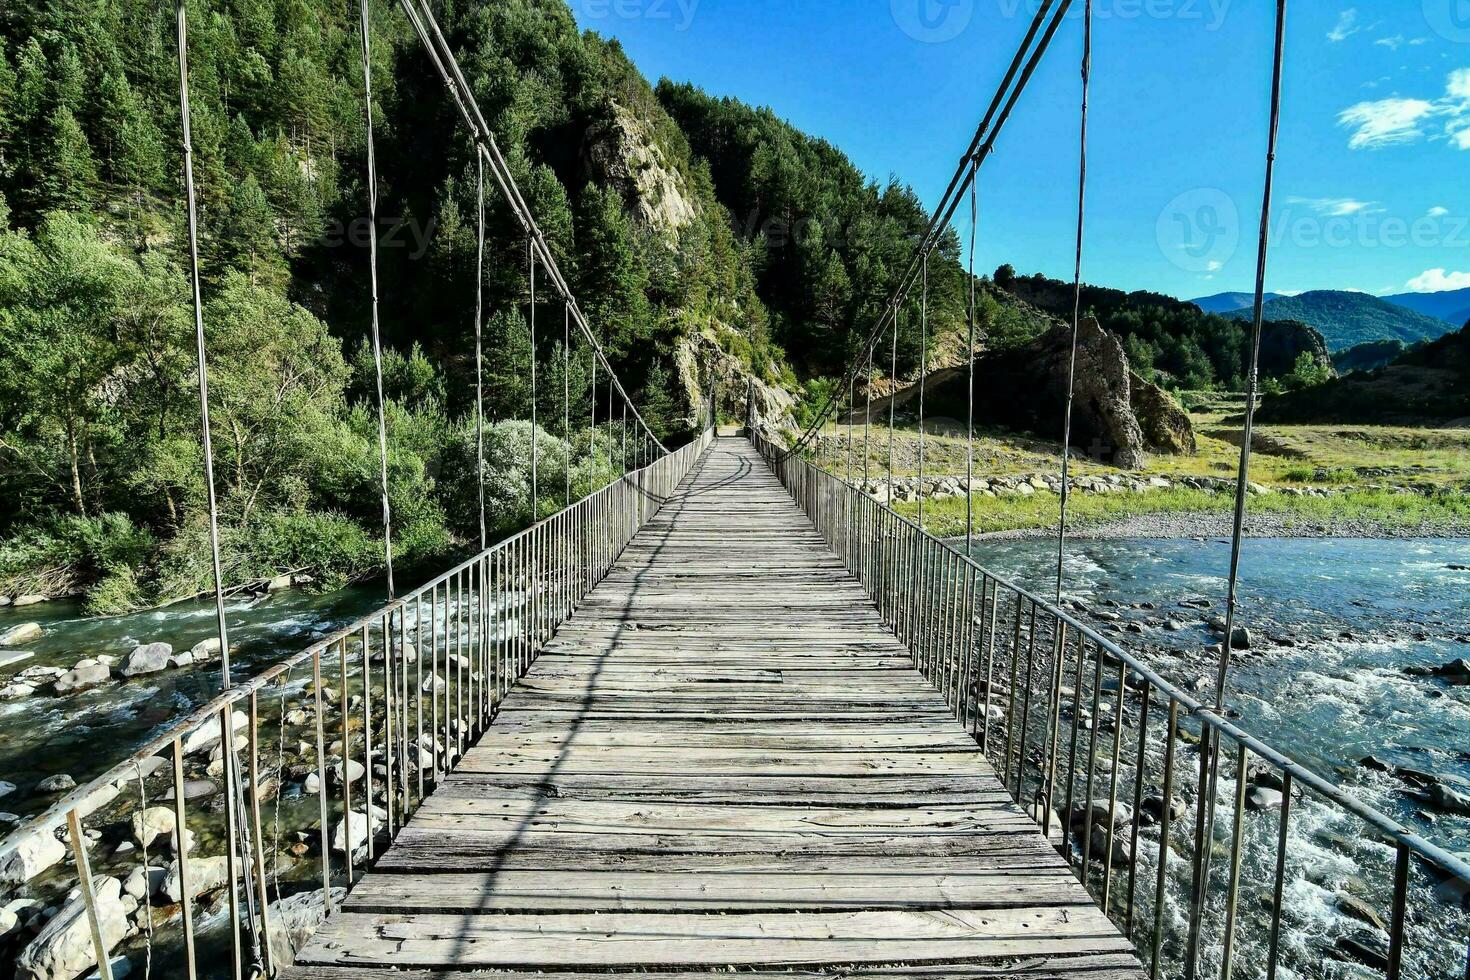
700, 362
1117, 416
625, 154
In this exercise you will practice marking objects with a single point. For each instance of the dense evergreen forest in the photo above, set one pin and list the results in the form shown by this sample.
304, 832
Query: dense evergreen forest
685, 224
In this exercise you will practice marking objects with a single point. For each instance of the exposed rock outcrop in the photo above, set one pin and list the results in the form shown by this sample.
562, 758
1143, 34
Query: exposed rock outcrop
1117, 417
699, 359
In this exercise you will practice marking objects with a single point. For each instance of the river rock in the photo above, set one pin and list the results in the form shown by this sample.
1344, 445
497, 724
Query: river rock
1122, 814
6, 788
359, 831
9, 658
194, 789
205, 649
1370, 952
150, 658
59, 783
39, 674
63, 950
152, 823
434, 684
33, 855
205, 875
1356, 908
16, 635
1121, 853
88, 673
9, 923
206, 736
34, 599
1151, 809
145, 882
1446, 800
293, 920
16, 691
1263, 798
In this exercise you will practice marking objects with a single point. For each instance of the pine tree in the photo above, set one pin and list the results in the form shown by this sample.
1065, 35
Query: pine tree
249, 231
658, 404
71, 80
71, 170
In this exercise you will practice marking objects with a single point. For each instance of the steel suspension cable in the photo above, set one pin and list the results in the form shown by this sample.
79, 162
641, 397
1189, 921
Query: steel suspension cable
479, 344
1210, 749
566, 396
535, 485
236, 809
867, 413
923, 378
1076, 299
372, 195
892, 404
970, 358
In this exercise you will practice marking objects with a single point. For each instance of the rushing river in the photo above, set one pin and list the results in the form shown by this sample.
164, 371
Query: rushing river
85, 734
1336, 625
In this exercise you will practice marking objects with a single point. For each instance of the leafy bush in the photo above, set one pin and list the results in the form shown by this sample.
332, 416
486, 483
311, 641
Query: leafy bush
65, 554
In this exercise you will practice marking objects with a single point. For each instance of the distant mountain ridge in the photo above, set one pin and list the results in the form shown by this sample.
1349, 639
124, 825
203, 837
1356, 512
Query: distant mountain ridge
1227, 303
1452, 306
1348, 319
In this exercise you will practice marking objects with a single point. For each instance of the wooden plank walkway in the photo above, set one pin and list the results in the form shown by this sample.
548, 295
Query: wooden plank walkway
723, 760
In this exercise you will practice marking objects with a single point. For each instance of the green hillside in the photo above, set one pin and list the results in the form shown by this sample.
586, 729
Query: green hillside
1348, 319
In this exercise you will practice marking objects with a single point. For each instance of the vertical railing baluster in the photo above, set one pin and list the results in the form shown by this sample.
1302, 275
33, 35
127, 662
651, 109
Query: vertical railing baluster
181, 852
1278, 887
89, 897
1399, 917
1237, 844
321, 776
1140, 767
1107, 895
1166, 817
257, 838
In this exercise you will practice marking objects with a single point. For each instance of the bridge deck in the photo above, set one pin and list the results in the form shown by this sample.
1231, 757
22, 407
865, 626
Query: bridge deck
724, 759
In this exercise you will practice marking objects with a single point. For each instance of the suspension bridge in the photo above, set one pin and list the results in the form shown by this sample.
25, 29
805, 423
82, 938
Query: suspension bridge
726, 713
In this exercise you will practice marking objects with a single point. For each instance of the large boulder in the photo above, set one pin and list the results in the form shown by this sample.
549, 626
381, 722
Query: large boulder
1166, 426
205, 875
206, 736
63, 950
32, 855
16, 635
149, 658
88, 673
1025, 388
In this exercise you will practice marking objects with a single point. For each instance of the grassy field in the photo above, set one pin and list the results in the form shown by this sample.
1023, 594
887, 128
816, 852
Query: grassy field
1286, 455
1350, 459
1356, 512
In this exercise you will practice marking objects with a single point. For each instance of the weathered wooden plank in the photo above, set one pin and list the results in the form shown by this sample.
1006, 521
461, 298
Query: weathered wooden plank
625, 940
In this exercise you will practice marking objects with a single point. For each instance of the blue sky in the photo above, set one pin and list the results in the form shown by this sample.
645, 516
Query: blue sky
1372, 189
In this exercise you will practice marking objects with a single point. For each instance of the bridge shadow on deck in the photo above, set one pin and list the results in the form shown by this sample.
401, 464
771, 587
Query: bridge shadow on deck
723, 759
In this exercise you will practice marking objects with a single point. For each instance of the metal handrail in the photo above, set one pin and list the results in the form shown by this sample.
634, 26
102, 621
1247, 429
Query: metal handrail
547, 568
935, 615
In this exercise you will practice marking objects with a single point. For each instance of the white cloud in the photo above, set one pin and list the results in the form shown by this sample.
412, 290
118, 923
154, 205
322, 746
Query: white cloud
1437, 212
1439, 281
1392, 43
1458, 86
1336, 207
1400, 120
1216, 265
1347, 26
1385, 122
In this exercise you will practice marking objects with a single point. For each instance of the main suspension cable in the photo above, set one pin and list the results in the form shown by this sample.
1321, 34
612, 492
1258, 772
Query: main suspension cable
1076, 299
479, 345
970, 358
